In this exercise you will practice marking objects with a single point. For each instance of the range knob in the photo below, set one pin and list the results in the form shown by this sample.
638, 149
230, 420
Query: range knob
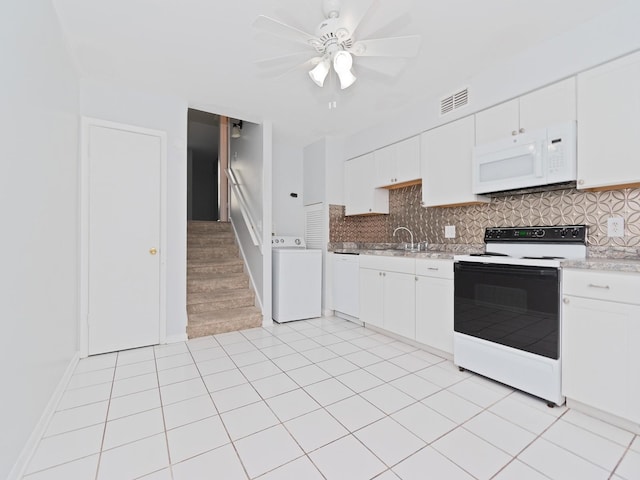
539, 233
564, 232
575, 232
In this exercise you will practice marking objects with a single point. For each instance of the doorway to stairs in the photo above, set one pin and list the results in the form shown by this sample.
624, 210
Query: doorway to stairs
203, 171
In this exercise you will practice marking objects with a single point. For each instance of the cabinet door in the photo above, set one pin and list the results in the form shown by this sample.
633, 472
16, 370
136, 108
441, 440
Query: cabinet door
497, 122
407, 156
346, 296
446, 165
609, 122
434, 312
385, 168
371, 297
595, 362
539, 109
399, 304
361, 196
633, 364
548, 106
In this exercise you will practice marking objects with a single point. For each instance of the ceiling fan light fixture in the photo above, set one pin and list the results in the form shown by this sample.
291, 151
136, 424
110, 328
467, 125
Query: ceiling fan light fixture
342, 63
320, 72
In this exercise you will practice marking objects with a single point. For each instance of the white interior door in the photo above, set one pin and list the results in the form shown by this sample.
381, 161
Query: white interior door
124, 251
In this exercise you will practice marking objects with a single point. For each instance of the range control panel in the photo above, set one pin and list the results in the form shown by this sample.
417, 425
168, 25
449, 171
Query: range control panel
556, 234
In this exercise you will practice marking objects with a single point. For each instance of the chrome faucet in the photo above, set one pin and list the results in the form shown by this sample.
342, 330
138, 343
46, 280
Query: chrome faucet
410, 233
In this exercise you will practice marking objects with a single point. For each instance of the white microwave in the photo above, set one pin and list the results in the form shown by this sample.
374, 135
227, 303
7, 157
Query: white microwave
541, 157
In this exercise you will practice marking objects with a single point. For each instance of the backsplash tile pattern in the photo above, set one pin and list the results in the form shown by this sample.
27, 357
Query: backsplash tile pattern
560, 207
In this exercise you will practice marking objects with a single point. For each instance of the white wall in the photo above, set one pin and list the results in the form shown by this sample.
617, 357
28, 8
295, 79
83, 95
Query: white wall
39, 211
288, 214
314, 168
597, 41
247, 163
118, 104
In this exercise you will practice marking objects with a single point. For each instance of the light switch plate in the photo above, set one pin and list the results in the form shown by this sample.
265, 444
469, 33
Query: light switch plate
450, 231
615, 227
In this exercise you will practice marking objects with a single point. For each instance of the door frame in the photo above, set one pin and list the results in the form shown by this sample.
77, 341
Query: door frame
86, 124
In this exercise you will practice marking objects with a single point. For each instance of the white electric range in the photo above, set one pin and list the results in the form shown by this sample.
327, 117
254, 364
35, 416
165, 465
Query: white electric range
507, 315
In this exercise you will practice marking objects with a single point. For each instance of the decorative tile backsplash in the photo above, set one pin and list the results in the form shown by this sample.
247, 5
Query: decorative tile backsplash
560, 207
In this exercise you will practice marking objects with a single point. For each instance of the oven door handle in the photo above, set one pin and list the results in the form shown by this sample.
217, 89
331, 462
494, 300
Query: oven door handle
532, 270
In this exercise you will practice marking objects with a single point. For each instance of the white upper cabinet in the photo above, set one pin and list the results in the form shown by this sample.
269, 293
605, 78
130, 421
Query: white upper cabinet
609, 124
446, 154
498, 122
547, 106
398, 164
361, 196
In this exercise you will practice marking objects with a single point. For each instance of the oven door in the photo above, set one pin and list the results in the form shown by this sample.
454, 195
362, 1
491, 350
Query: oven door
512, 305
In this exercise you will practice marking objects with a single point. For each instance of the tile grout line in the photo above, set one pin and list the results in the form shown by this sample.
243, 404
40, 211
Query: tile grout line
231, 442
104, 430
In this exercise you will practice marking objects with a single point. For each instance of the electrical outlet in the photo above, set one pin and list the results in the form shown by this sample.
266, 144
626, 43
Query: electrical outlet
450, 231
615, 227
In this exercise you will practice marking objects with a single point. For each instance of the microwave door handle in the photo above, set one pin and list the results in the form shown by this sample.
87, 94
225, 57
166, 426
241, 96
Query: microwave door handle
539, 159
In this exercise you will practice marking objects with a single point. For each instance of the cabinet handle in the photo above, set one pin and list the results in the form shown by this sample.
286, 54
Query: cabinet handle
433, 268
416, 279
580, 182
369, 209
514, 133
566, 301
603, 287
522, 130
384, 274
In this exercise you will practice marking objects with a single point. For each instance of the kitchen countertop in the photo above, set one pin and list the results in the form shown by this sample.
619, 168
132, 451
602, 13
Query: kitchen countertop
598, 258
443, 251
605, 264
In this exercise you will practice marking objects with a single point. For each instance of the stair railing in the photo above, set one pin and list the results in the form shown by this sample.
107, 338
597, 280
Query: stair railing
244, 208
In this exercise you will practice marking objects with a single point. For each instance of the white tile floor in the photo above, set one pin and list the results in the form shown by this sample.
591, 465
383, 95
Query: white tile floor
308, 400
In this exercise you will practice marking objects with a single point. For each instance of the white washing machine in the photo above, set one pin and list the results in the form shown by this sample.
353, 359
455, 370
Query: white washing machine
297, 280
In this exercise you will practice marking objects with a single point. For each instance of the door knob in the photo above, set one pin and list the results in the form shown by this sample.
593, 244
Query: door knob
153, 250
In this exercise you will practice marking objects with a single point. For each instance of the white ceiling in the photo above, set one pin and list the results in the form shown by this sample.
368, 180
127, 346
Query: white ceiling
205, 52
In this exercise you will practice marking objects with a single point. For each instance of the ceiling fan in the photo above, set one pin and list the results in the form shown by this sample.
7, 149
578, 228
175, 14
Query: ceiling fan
335, 43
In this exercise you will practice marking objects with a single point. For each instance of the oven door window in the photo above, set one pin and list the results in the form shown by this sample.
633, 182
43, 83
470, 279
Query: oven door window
511, 305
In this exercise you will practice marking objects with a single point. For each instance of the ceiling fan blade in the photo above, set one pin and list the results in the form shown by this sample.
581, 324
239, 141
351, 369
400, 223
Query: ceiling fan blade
280, 72
276, 27
388, 67
353, 12
408, 46
280, 60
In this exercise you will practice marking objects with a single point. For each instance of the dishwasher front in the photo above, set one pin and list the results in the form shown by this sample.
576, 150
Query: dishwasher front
346, 288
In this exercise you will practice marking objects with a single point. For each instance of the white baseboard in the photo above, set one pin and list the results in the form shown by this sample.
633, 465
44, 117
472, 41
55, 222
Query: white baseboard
604, 416
182, 337
29, 448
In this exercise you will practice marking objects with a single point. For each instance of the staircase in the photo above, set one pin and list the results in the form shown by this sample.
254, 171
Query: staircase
219, 298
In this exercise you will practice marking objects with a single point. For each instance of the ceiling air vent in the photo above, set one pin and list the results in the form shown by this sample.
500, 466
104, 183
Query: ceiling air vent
454, 101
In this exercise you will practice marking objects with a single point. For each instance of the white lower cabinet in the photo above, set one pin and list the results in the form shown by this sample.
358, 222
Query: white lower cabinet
601, 341
434, 303
399, 303
371, 296
387, 293
409, 297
